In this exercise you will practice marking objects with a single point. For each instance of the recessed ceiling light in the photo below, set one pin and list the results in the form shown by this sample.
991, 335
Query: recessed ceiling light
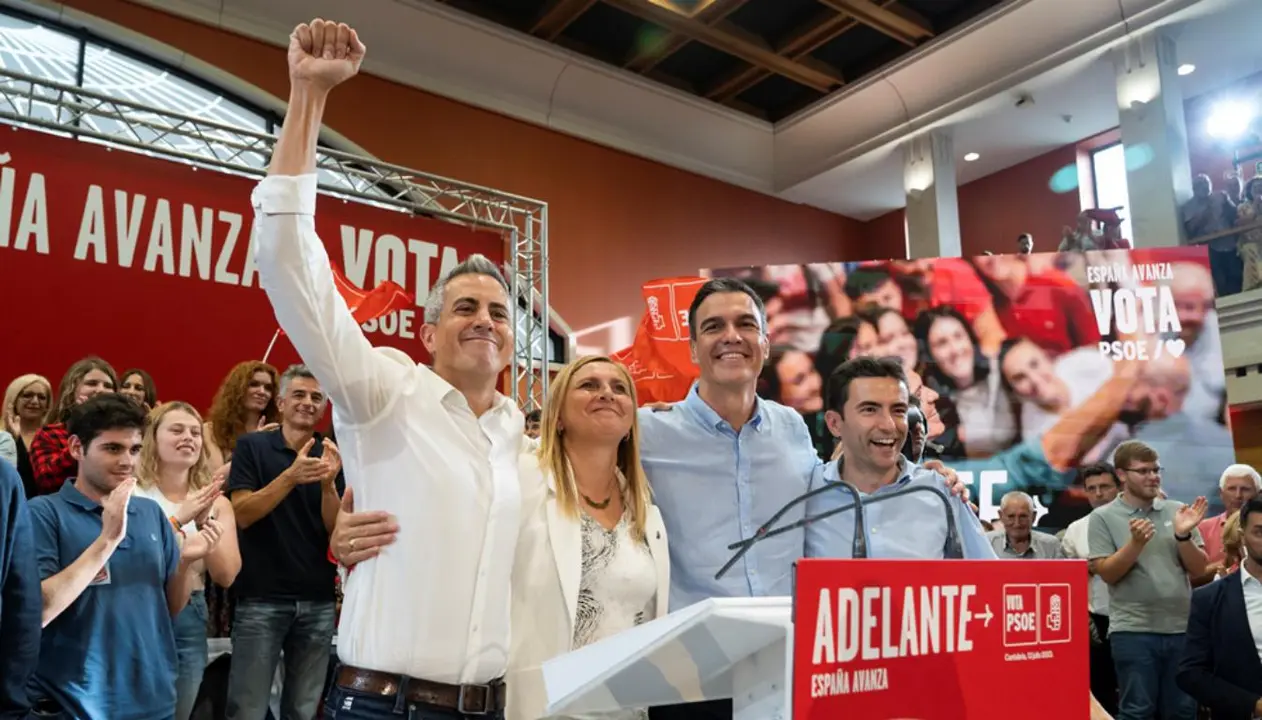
1187, 69
971, 157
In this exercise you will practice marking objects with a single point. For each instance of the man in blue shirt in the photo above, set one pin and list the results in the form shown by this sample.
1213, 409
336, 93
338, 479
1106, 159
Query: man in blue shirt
114, 573
867, 404
19, 596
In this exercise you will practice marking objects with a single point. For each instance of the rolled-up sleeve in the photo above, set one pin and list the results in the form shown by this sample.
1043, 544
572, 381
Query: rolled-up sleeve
294, 270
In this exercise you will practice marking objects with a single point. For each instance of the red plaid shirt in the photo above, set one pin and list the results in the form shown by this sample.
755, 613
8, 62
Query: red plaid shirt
51, 459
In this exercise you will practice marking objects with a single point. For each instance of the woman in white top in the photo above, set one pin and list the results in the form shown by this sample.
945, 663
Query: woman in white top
173, 472
592, 559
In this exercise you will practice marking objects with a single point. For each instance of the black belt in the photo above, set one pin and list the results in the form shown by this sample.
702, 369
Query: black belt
464, 699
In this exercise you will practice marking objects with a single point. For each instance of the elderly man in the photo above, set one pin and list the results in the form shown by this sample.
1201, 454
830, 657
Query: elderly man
1238, 485
1016, 539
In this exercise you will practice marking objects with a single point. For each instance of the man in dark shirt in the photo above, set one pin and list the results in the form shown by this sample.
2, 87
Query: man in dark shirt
20, 602
285, 487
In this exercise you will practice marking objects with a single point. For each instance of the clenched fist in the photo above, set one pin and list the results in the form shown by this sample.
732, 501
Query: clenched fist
324, 54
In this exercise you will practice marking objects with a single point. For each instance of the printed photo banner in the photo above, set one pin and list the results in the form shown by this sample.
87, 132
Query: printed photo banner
1010, 357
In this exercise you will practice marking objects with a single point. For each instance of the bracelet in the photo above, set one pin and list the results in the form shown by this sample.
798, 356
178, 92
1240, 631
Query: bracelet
1183, 538
175, 523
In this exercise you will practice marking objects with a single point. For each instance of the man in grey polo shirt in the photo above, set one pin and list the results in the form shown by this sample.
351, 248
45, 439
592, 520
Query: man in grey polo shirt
1146, 547
1017, 540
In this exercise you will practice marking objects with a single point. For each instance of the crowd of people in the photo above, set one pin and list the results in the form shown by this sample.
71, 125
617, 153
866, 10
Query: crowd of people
1003, 352
470, 554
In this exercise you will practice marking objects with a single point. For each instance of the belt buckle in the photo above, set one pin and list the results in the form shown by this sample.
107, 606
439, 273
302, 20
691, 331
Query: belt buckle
486, 700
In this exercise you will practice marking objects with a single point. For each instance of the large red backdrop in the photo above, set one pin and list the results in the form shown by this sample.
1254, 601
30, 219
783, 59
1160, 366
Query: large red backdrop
147, 263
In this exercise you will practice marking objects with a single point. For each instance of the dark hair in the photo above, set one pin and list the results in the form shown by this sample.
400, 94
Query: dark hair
864, 366
837, 342
724, 285
534, 416
1001, 357
866, 280
769, 379
924, 323
104, 412
1254, 506
151, 392
1100, 468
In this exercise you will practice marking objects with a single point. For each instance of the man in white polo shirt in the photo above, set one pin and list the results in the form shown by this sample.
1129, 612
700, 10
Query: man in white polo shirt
424, 626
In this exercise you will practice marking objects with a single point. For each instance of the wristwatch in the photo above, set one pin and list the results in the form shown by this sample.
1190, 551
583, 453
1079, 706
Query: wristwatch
1183, 538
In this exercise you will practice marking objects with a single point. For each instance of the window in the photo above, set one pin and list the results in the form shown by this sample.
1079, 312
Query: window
31, 46
1108, 169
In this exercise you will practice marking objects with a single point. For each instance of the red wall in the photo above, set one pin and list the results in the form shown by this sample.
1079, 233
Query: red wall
615, 220
997, 208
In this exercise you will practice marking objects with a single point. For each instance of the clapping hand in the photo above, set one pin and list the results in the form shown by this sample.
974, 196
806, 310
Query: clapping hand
114, 512
1142, 531
196, 504
1189, 516
332, 457
307, 469
203, 542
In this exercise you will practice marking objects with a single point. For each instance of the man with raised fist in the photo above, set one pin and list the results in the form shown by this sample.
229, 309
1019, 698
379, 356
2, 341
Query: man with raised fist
424, 625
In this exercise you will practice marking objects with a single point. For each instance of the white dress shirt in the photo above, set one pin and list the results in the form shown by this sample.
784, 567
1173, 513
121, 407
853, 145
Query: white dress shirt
1075, 544
546, 586
434, 604
1251, 586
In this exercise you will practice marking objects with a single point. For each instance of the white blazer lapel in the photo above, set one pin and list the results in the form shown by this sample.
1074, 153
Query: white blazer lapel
655, 529
566, 536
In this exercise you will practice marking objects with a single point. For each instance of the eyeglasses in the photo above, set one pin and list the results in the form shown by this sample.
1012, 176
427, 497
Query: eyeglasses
1146, 472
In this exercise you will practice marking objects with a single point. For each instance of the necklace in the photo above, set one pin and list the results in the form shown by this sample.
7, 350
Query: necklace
593, 503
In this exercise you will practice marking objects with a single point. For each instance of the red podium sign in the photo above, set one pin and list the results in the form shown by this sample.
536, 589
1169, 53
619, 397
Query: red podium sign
940, 640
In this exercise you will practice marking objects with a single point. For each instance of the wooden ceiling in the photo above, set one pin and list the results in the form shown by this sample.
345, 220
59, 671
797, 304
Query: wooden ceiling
767, 58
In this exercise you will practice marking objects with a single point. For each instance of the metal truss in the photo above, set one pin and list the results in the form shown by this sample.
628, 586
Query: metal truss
33, 102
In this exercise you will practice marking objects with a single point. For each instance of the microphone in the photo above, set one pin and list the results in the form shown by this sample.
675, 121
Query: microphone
764, 531
953, 548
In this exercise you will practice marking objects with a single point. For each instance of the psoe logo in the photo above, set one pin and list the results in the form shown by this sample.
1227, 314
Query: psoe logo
655, 314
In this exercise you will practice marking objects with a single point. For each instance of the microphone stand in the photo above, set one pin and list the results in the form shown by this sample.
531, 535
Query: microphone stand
765, 531
953, 548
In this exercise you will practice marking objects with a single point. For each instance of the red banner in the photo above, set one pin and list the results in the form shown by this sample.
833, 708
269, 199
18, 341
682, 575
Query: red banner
660, 359
148, 263
940, 640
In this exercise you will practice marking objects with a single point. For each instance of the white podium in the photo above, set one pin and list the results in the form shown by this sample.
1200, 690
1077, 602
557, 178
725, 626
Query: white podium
735, 648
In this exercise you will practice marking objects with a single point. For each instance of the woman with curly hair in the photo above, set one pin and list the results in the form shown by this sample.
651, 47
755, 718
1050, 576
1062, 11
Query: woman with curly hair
245, 402
50, 448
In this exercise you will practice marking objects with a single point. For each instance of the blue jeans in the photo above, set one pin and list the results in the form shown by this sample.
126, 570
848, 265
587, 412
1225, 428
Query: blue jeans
347, 705
1146, 667
190, 653
261, 631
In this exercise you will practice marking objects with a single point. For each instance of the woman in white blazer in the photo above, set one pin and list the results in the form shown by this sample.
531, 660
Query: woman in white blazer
591, 559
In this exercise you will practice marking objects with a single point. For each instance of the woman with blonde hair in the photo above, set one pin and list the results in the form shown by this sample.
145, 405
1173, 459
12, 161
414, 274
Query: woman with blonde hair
51, 460
245, 402
591, 558
26, 403
173, 472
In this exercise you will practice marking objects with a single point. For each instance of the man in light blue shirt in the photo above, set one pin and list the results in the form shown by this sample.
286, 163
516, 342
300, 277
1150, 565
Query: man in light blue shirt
867, 403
